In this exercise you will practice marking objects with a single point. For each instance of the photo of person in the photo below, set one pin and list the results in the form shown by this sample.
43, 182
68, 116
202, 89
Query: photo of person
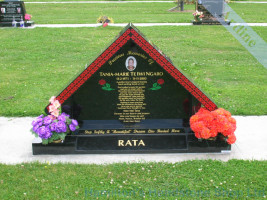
3, 10
18, 10
130, 63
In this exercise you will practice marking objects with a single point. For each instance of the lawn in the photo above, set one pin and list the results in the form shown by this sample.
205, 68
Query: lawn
38, 63
235, 179
121, 13
130, 12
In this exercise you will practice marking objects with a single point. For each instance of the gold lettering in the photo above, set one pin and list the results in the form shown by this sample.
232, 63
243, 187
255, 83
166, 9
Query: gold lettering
120, 143
99, 132
151, 131
116, 58
130, 106
134, 141
88, 132
139, 131
163, 130
137, 54
121, 131
114, 74
133, 73
148, 74
128, 143
141, 143
150, 61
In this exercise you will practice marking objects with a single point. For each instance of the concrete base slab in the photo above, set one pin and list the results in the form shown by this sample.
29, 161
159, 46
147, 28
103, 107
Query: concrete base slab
16, 145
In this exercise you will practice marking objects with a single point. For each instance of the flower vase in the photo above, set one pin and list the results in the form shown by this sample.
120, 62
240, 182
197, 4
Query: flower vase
221, 137
212, 138
57, 141
197, 19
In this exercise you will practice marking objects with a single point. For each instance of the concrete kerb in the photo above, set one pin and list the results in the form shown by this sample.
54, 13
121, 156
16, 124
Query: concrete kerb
136, 24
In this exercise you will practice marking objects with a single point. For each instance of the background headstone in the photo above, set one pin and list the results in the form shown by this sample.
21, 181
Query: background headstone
212, 11
12, 13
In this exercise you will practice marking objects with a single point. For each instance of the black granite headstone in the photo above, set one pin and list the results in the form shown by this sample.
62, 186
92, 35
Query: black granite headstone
131, 99
12, 13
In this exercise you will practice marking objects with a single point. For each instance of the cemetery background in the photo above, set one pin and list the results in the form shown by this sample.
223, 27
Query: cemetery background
33, 62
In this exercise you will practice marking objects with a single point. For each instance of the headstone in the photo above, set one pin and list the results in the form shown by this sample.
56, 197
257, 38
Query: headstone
12, 13
132, 99
213, 11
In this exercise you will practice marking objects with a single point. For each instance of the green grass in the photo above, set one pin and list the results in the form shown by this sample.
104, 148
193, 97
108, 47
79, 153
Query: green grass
38, 63
121, 13
251, 13
217, 180
130, 12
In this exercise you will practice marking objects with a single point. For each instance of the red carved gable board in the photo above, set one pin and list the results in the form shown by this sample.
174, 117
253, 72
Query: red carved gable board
131, 33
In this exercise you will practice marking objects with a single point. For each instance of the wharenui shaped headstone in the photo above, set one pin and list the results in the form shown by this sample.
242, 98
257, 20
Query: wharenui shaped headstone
131, 99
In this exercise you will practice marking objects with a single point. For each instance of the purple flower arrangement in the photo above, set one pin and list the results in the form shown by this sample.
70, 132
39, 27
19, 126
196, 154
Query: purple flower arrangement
54, 126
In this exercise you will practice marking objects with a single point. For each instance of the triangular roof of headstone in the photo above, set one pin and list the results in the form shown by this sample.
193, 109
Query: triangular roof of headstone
132, 33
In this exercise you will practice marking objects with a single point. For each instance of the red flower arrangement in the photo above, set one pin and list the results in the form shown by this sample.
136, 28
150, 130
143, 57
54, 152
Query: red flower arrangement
206, 124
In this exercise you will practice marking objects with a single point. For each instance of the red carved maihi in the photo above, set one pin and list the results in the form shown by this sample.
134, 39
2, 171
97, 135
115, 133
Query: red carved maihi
132, 34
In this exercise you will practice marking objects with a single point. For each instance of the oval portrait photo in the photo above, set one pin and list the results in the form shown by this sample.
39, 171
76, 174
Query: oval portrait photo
130, 63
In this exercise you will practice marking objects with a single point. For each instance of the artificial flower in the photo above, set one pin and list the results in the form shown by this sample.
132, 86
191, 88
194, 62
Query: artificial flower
54, 126
27, 17
206, 124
